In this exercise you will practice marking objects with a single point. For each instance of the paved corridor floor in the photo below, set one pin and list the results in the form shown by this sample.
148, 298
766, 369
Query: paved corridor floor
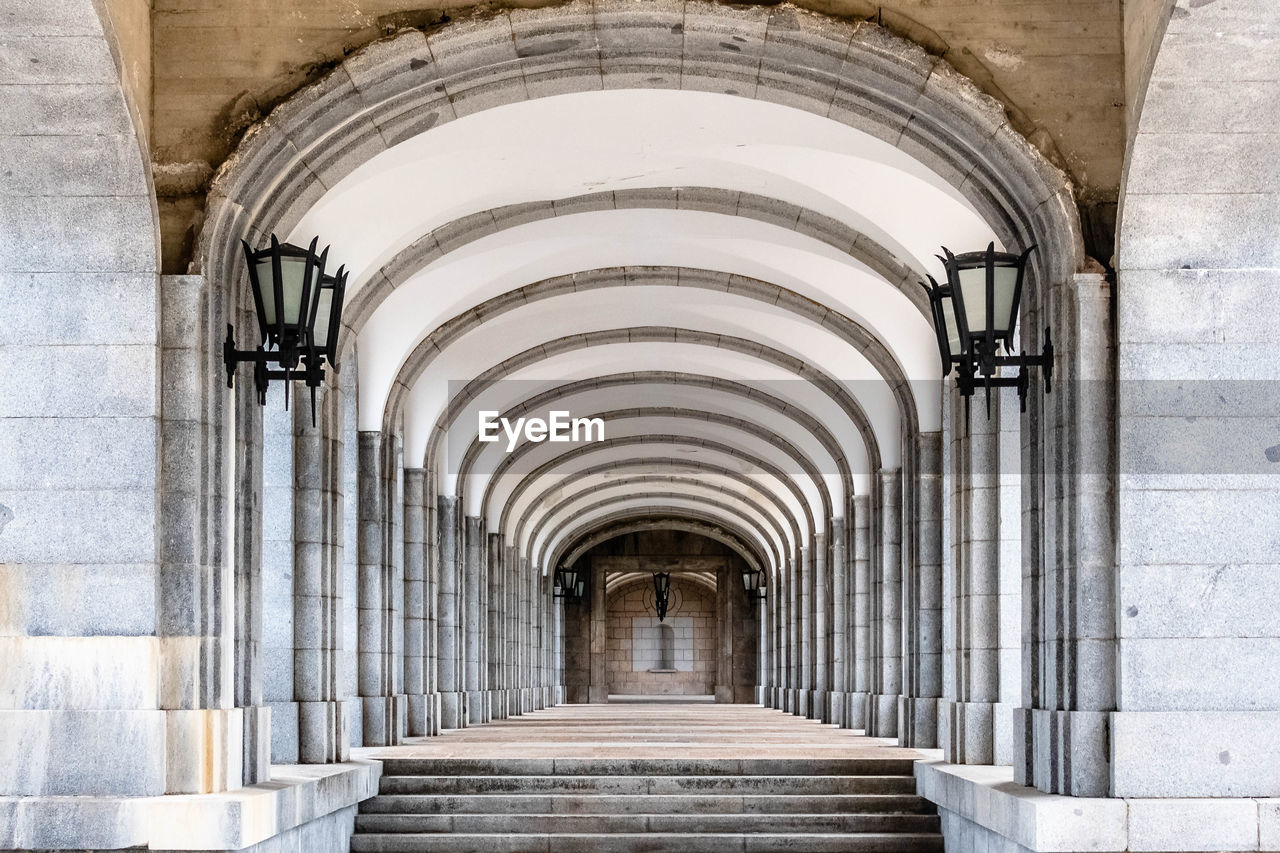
648, 730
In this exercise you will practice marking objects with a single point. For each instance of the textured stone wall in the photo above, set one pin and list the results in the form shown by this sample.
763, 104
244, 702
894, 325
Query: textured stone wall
1199, 269
690, 601
81, 525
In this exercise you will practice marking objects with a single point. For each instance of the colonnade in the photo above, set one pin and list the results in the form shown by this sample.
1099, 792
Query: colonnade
448, 626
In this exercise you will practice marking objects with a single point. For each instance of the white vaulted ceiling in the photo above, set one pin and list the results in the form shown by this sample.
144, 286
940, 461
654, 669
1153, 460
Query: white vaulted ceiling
728, 279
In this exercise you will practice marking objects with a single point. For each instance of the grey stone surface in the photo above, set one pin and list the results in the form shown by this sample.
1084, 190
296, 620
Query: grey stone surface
82, 753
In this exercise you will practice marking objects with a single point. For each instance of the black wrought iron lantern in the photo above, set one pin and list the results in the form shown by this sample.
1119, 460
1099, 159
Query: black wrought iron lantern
753, 584
974, 316
299, 309
569, 584
661, 593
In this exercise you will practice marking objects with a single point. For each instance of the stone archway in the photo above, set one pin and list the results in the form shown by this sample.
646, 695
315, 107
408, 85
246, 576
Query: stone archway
618, 647
417, 84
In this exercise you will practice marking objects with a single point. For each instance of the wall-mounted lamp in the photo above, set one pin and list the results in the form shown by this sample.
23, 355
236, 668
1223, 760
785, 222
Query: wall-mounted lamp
569, 585
753, 584
299, 311
974, 315
661, 593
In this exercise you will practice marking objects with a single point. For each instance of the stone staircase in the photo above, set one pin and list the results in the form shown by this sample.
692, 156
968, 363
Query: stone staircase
609, 805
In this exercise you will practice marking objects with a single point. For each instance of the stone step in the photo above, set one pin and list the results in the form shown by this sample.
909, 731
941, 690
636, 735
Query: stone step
649, 842
645, 804
795, 785
620, 824
647, 766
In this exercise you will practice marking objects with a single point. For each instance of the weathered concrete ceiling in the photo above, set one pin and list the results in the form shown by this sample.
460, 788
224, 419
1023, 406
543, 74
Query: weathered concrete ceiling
221, 65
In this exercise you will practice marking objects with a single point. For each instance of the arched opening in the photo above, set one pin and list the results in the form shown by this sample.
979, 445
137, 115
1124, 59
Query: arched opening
704, 648
792, 291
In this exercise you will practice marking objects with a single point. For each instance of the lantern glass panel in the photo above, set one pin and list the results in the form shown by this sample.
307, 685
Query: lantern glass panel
324, 309
267, 291
973, 287
293, 271
1006, 285
948, 306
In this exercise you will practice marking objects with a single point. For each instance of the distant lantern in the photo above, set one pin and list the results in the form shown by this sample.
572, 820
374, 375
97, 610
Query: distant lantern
569, 585
752, 580
974, 316
662, 593
299, 310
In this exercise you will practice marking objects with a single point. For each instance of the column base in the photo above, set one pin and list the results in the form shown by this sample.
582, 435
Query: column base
856, 711
882, 715
1068, 752
299, 808
385, 719
205, 749
433, 714
477, 707
838, 707
255, 761
324, 734
453, 710
818, 707
918, 722
419, 724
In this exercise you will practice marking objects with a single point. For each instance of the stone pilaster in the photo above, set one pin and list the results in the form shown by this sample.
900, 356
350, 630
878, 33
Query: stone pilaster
495, 699
278, 556
725, 635
323, 735
804, 605
415, 603
378, 598
599, 684
820, 685
922, 593
431, 606
216, 726
841, 625
1063, 734
971, 714
791, 639
860, 696
886, 609
474, 587
449, 625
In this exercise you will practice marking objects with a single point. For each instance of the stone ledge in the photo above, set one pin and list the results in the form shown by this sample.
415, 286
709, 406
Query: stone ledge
296, 795
989, 799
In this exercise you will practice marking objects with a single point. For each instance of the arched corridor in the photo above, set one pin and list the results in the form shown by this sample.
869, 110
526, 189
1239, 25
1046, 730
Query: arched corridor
630, 438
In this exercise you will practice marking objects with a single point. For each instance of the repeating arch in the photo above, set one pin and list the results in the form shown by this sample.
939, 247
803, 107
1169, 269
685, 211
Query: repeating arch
616, 528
